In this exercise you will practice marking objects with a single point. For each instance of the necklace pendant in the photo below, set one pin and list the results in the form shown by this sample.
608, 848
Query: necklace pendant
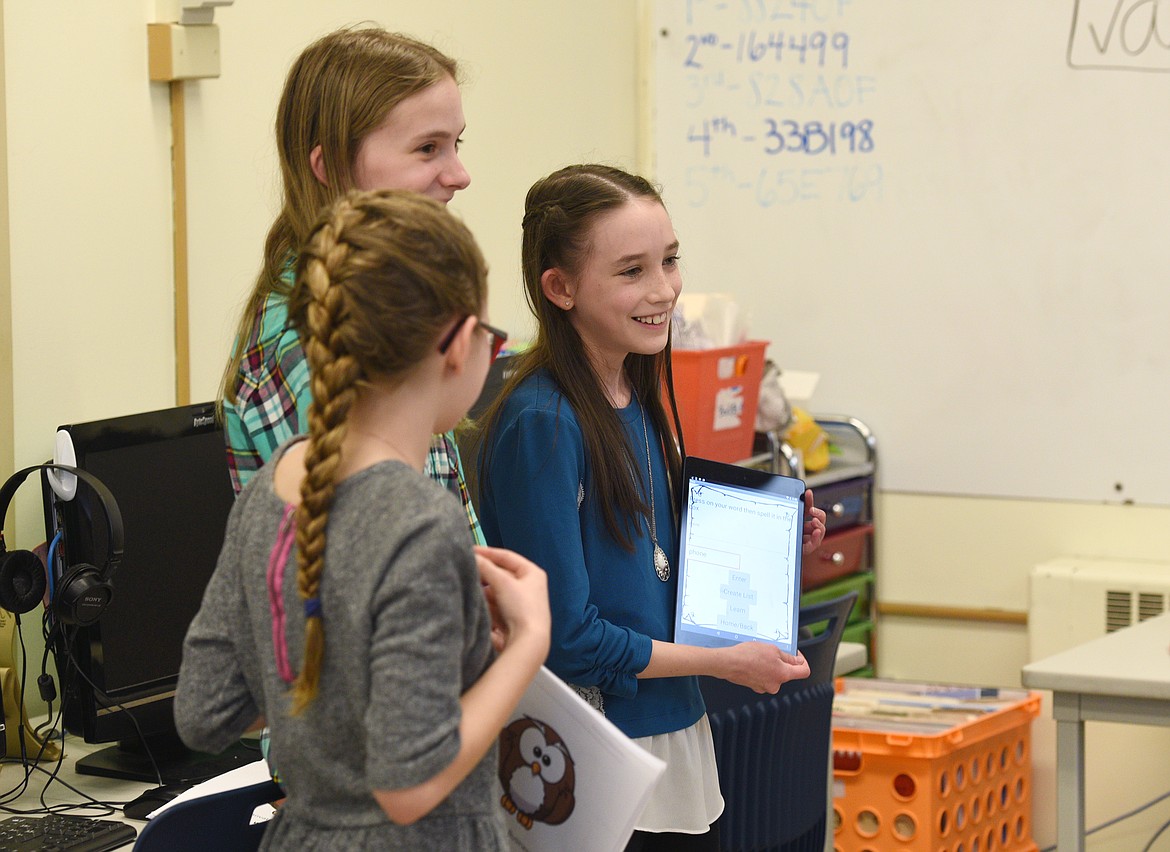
661, 563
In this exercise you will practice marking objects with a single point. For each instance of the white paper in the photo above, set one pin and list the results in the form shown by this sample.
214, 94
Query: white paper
715, 320
798, 385
233, 779
599, 780
729, 403
611, 776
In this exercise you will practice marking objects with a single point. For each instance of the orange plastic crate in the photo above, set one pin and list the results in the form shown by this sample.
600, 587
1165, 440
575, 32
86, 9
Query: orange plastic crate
965, 788
718, 392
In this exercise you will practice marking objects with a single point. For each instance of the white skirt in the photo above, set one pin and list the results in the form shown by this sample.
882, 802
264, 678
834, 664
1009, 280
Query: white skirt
687, 798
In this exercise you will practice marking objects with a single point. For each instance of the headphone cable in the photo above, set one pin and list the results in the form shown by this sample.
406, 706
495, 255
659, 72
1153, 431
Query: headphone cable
50, 564
110, 702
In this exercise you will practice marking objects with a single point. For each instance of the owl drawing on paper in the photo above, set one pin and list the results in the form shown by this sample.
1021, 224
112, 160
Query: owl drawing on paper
536, 772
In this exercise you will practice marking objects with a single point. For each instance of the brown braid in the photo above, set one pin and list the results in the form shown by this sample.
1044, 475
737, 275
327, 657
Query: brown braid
333, 377
381, 277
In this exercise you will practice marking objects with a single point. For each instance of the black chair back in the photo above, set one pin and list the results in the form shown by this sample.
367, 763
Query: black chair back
773, 750
219, 821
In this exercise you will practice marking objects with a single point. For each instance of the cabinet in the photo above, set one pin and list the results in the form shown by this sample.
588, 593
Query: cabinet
845, 491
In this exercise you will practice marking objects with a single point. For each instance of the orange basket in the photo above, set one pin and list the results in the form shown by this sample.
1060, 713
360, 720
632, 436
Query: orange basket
718, 392
959, 788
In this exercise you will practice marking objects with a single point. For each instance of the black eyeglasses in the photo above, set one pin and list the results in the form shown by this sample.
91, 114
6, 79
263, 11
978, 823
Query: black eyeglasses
498, 335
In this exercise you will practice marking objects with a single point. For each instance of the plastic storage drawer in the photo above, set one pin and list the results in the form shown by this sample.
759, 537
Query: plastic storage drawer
841, 553
845, 503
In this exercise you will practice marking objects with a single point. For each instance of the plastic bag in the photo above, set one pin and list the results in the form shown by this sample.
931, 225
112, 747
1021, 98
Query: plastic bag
773, 412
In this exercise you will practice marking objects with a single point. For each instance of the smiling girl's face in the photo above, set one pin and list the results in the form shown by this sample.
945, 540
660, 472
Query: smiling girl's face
624, 293
417, 146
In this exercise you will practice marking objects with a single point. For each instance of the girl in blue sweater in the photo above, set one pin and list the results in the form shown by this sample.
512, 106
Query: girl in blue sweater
578, 472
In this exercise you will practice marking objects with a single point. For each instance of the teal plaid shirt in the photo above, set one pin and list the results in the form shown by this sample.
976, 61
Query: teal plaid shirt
272, 405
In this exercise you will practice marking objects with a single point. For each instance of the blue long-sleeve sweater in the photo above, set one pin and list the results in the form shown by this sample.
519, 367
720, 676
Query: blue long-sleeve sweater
607, 603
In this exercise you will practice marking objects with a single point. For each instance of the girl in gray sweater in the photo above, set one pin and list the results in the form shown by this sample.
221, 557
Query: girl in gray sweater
349, 610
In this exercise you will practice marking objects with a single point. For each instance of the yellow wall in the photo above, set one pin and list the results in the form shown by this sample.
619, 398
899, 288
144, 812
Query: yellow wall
90, 308
6, 410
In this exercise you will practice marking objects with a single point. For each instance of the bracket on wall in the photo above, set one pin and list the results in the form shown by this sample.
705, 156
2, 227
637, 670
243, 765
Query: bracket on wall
183, 45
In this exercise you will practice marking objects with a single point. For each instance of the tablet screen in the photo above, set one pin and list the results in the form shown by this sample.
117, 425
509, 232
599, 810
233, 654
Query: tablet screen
739, 556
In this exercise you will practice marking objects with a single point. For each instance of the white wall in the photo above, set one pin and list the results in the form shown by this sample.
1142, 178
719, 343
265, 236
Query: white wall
548, 83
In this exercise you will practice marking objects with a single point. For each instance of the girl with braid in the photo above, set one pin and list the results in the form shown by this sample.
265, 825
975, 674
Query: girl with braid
349, 610
580, 472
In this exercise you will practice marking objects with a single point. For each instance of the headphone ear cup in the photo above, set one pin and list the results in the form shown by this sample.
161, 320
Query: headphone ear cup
82, 596
22, 581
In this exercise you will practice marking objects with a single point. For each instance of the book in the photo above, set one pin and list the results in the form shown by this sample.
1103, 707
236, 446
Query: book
569, 779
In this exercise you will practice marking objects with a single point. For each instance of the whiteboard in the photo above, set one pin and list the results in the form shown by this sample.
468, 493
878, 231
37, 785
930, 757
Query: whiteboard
957, 213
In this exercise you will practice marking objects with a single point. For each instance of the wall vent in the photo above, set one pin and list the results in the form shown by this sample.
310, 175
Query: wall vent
1075, 600
1125, 607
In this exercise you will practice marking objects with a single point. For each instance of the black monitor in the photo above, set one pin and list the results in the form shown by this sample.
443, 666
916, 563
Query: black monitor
167, 470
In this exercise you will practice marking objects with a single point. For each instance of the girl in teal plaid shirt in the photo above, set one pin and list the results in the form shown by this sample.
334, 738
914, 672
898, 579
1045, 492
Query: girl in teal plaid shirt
362, 108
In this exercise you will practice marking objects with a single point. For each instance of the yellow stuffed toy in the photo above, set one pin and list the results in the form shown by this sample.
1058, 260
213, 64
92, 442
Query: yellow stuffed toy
806, 435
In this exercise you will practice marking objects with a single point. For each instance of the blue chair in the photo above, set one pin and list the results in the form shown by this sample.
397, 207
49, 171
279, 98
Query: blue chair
220, 821
773, 750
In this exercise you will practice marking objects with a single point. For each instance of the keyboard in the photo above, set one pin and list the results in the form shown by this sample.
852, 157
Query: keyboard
63, 833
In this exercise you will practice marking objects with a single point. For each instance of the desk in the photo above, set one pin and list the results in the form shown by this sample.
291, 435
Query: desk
851, 656
97, 787
1119, 677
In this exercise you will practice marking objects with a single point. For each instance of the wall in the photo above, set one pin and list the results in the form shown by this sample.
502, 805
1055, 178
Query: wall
89, 195
90, 184
6, 408
978, 553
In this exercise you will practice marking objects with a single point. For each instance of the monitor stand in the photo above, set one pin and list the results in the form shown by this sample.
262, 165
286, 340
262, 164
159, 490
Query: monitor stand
176, 763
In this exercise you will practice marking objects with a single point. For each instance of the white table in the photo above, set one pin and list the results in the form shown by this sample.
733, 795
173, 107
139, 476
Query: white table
1119, 677
98, 787
851, 656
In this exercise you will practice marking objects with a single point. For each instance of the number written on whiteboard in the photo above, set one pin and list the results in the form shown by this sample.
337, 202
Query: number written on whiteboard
785, 136
753, 11
769, 187
817, 48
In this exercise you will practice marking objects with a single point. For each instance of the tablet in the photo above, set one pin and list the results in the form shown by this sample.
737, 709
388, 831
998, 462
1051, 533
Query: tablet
739, 556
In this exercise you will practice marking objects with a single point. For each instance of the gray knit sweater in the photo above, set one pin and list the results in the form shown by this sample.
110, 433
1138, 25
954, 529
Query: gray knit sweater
406, 633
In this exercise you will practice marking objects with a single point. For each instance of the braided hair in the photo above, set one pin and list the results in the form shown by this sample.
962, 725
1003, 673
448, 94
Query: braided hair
381, 276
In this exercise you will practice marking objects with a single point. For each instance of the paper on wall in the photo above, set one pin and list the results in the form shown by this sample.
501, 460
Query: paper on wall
798, 385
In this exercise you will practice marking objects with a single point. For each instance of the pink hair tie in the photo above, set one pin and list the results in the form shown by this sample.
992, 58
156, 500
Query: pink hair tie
277, 558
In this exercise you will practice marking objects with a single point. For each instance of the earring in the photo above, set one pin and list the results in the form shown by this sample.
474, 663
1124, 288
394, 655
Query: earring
568, 302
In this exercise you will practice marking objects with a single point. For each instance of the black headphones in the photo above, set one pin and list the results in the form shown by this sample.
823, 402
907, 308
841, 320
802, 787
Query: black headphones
84, 590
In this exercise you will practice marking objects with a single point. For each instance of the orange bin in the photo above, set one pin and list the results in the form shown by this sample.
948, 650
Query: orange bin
955, 787
718, 391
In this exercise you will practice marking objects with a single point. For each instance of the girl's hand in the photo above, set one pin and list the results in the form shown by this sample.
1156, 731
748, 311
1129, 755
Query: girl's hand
814, 525
516, 591
763, 667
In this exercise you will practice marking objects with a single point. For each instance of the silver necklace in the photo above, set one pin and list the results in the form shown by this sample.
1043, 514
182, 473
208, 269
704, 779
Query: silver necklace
661, 563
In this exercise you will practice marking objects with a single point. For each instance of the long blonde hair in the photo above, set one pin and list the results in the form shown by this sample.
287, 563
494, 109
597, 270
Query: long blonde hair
382, 275
338, 90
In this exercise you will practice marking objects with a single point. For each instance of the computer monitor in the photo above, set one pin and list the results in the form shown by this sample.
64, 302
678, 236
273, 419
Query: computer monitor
167, 470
